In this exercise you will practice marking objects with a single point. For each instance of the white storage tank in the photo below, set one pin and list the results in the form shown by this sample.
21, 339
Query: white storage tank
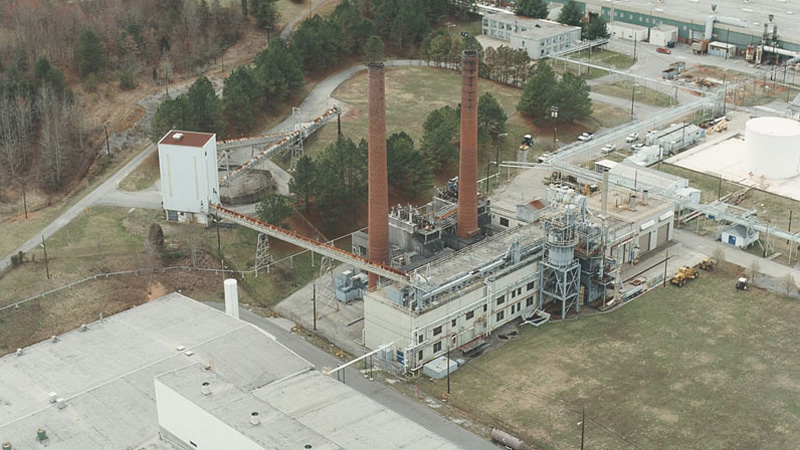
772, 147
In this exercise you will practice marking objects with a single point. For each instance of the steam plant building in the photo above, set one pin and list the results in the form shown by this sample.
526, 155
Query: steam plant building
189, 176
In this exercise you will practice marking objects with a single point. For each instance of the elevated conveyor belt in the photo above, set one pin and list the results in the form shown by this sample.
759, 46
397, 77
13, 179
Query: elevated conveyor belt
309, 244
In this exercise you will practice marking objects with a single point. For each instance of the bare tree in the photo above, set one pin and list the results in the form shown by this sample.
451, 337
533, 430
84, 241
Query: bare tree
753, 269
788, 284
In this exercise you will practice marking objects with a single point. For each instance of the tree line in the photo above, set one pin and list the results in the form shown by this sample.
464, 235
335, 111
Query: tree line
571, 14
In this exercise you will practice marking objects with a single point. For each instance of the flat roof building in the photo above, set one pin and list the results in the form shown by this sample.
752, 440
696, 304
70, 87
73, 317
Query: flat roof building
539, 38
174, 373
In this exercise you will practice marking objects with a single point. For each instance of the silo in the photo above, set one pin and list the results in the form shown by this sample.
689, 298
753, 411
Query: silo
772, 147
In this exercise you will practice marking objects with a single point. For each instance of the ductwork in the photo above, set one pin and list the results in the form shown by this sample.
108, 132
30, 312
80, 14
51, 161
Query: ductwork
723, 20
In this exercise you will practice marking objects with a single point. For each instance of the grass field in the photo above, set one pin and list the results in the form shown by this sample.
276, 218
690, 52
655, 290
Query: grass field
644, 95
604, 58
143, 176
699, 367
104, 240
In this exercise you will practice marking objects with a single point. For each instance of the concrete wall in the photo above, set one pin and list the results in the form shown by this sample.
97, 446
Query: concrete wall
189, 423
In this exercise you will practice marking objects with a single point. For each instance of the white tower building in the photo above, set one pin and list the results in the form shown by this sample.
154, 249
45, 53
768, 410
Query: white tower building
189, 178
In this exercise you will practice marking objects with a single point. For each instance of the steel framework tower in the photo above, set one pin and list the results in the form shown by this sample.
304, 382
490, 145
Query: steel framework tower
560, 273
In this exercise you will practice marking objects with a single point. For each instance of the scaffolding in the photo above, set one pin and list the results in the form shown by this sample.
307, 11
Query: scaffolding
560, 274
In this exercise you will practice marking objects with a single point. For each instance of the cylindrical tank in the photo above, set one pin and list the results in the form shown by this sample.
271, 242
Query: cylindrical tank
231, 297
507, 439
41, 435
772, 147
6, 445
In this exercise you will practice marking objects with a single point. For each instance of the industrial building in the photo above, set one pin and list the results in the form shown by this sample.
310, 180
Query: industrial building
188, 198
539, 38
763, 155
752, 26
176, 374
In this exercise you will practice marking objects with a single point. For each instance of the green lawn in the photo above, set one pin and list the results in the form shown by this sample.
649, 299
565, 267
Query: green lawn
605, 58
623, 89
699, 367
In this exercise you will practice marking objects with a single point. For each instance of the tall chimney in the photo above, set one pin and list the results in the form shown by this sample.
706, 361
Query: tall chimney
231, 298
468, 159
378, 176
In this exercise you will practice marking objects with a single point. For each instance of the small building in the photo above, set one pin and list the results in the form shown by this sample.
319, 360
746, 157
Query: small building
721, 49
663, 35
646, 156
628, 31
739, 236
676, 137
539, 38
530, 211
189, 176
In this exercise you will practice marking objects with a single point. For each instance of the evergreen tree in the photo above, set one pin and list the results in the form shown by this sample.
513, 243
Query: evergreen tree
239, 91
266, 15
341, 185
46, 75
571, 14
409, 173
274, 209
491, 117
303, 181
538, 93
278, 73
440, 132
90, 55
595, 29
206, 108
573, 98
373, 50
531, 8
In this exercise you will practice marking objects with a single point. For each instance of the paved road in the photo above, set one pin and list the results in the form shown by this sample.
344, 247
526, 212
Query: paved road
100, 195
386, 396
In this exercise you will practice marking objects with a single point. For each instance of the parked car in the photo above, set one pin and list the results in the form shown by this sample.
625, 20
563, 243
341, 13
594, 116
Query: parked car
633, 137
585, 137
608, 148
663, 50
636, 147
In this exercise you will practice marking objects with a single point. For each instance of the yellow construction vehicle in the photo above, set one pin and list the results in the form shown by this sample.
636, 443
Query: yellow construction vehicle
684, 273
527, 142
708, 264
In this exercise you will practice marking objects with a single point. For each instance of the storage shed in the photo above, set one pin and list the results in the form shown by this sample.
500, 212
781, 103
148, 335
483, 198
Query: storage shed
739, 236
663, 35
628, 31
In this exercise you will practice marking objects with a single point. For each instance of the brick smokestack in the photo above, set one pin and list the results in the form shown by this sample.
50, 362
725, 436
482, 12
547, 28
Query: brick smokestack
378, 176
468, 162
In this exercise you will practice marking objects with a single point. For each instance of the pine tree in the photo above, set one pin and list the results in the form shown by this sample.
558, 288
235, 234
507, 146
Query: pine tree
571, 14
90, 55
531, 8
538, 93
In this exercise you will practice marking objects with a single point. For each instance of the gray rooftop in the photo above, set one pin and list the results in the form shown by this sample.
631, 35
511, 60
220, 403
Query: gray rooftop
754, 12
106, 376
532, 28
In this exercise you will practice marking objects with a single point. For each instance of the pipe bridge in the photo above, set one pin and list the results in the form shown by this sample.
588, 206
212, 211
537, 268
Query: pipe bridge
323, 249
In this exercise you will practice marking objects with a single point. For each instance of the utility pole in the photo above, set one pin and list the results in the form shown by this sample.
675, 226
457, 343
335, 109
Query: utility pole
634, 48
24, 201
583, 418
633, 97
448, 365
108, 146
219, 242
314, 303
46, 264
666, 258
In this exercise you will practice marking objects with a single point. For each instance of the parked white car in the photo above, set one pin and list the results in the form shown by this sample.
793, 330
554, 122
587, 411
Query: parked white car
608, 148
585, 137
633, 137
636, 147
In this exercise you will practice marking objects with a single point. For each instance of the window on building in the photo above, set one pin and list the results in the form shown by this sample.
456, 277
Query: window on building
419, 356
484, 308
437, 347
437, 331
453, 323
530, 285
523, 43
529, 302
501, 299
513, 293
421, 337
501, 315
485, 22
503, 222
519, 291
470, 315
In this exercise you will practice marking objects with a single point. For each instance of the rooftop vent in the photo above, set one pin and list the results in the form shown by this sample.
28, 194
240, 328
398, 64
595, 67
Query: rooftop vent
41, 435
53, 397
205, 389
7, 446
177, 136
61, 403
254, 418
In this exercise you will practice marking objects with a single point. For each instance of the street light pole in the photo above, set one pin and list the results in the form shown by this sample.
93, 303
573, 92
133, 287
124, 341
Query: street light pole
633, 99
554, 116
496, 159
583, 422
108, 146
